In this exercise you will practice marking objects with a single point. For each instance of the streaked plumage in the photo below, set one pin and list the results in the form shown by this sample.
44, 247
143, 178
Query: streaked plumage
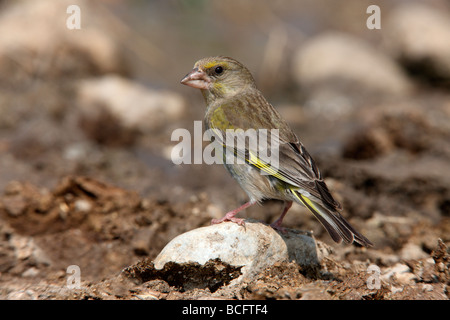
234, 102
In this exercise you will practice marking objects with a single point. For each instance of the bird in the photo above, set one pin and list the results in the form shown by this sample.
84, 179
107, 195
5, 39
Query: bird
233, 102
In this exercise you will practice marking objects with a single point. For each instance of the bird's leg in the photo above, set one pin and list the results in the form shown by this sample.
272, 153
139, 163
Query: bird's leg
230, 215
277, 224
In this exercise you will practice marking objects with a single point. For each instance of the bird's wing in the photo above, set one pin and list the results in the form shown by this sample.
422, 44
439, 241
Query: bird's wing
295, 166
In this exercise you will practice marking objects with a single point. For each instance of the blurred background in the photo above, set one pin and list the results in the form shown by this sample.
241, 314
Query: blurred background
87, 109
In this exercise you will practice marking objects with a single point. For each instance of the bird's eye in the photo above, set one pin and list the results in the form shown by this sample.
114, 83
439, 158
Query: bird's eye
218, 70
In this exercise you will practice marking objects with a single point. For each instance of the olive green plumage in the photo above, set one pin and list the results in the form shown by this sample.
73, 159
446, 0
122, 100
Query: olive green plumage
234, 102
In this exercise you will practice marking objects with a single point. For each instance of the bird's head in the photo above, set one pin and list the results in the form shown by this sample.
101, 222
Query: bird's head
219, 77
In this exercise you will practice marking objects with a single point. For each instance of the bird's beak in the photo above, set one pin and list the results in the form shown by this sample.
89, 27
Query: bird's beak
197, 79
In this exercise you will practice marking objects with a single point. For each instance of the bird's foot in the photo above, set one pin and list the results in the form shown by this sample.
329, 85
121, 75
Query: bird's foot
230, 216
277, 226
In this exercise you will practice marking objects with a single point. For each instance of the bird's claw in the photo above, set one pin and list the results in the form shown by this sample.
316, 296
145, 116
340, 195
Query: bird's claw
278, 227
226, 218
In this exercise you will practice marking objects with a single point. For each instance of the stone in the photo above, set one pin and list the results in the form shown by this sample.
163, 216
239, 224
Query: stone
254, 247
34, 40
337, 65
412, 251
27, 250
419, 37
400, 271
133, 105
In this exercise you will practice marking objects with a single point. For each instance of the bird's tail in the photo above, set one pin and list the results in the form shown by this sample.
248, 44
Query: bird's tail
335, 224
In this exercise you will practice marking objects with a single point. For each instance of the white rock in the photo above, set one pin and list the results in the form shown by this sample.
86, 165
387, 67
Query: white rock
426, 287
254, 247
347, 63
401, 272
34, 36
82, 205
30, 273
134, 105
419, 33
25, 248
411, 251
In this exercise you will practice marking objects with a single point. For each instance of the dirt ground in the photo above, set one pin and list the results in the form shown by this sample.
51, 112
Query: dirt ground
89, 191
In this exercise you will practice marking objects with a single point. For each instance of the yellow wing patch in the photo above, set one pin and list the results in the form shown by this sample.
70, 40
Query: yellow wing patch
254, 160
304, 200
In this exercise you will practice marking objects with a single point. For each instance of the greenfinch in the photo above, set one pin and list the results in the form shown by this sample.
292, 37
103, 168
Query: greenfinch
234, 103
